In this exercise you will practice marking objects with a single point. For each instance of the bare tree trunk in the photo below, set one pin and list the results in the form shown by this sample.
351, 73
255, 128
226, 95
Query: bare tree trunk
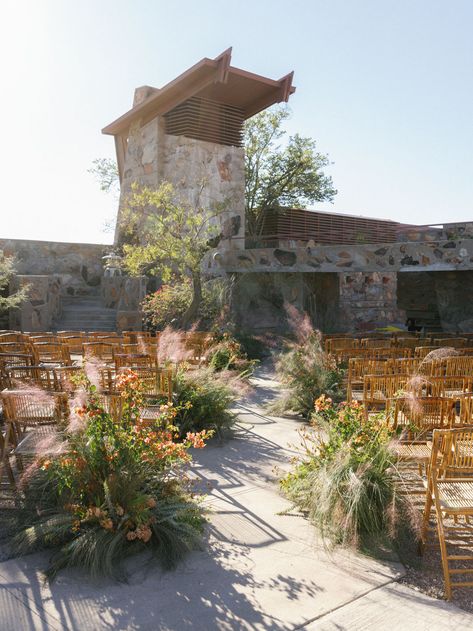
191, 314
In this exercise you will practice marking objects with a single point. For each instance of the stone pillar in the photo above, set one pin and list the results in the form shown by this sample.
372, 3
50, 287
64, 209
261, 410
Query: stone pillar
368, 300
204, 174
42, 306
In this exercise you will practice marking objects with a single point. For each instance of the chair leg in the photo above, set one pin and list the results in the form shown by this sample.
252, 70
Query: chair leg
425, 521
443, 551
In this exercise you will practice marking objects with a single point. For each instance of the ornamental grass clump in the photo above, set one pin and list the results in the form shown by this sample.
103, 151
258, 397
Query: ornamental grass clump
118, 488
306, 372
203, 400
228, 354
346, 481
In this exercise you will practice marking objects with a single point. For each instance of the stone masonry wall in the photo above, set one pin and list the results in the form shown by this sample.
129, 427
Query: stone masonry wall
369, 301
42, 306
77, 265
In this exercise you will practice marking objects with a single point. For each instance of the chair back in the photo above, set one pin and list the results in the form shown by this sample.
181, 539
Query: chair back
419, 415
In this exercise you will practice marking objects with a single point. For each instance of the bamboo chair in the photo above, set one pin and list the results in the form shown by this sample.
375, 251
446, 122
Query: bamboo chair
423, 351
450, 495
358, 367
134, 360
134, 337
51, 354
373, 342
112, 404
453, 342
24, 376
49, 339
157, 382
451, 386
332, 345
62, 376
457, 366
93, 335
13, 336
417, 417
74, 344
404, 366
15, 347
99, 350
378, 389
31, 419
110, 339
16, 359
72, 334
407, 342
107, 378
196, 345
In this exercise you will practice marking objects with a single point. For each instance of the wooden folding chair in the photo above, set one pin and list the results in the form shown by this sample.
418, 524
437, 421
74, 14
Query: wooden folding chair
51, 354
450, 495
31, 419
358, 367
416, 418
379, 389
134, 360
373, 342
24, 376
99, 350
453, 342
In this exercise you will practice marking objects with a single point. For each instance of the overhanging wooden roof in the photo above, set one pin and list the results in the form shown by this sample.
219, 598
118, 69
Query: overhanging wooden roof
213, 79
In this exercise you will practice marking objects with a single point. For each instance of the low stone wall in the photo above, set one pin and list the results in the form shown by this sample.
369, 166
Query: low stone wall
431, 256
78, 265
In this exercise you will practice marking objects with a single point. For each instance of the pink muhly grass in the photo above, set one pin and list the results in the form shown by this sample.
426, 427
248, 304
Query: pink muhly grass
299, 323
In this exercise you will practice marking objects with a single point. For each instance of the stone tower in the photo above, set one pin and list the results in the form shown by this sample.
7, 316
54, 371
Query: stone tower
189, 133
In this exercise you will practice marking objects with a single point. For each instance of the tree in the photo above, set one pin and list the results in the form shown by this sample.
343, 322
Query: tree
105, 171
7, 272
169, 237
278, 176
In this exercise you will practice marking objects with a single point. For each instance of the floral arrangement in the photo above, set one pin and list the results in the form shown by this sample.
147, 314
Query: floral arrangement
118, 487
346, 478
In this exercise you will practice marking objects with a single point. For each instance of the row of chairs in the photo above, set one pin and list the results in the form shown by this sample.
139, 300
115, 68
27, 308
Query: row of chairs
334, 344
358, 368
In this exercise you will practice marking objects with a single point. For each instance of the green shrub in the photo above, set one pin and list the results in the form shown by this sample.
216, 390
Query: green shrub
167, 305
346, 481
306, 372
228, 354
117, 489
203, 401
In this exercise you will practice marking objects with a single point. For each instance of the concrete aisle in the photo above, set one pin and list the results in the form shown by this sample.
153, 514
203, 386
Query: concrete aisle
259, 569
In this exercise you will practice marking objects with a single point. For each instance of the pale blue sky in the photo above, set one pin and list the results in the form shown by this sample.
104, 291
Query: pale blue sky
384, 86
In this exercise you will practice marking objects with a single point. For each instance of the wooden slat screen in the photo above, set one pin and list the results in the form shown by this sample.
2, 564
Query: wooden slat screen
327, 228
207, 120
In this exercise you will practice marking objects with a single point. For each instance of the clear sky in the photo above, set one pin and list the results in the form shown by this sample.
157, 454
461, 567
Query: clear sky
384, 86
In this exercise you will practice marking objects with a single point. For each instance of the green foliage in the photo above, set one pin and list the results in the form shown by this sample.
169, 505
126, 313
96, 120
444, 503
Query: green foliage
306, 372
204, 401
228, 354
346, 481
105, 171
116, 489
7, 272
168, 237
280, 176
169, 303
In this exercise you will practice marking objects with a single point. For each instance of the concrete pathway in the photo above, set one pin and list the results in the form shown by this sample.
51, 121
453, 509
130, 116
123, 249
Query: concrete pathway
259, 569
